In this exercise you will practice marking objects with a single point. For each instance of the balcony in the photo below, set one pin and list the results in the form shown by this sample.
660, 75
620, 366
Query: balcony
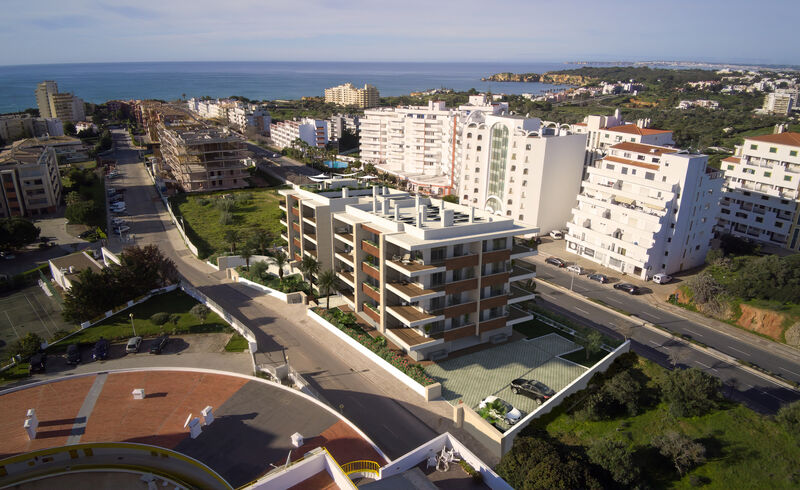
414, 268
310, 220
311, 237
460, 309
461, 262
517, 315
496, 256
310, 251
295, 226
347, 277
282, 207
521, 251
349, 299
408, 337
519, 295
370, 247
376, 317
346, 257
345, 237
412, 316
296, 242
459, 333
521, 274
410, 291
496, 279
371, 291
460, 286
493, 324
494, 301
371, 270
295, 211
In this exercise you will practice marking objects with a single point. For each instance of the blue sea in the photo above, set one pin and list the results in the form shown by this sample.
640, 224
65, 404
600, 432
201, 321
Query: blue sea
99, 82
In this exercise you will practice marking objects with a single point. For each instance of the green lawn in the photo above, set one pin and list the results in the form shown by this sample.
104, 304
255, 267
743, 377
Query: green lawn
237, 343
743, 449
202, 213
16, 373
534, 328
176, 303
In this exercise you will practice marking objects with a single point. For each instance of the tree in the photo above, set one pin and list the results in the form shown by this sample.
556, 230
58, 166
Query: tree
200, 311
280, 259
626, 391
450, 198
690, 392
16, 232
327, 281
593, 343
70, 129
309, 266
83, 212
789, 417
246, 253
26, 346
616, 458
537, 463
261, 238
684, 452
232, 237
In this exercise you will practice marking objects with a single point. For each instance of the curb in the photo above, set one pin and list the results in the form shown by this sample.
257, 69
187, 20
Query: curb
708, 350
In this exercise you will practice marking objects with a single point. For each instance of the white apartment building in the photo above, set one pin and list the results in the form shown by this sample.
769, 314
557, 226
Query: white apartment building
30, 184
43, 91
18, 126
517, 168
347, 94
762, 190
242, 116
433, 277
703, 103
780, 102
605, 131
420, 144
341, 122
646, 210
313, 131
63, 106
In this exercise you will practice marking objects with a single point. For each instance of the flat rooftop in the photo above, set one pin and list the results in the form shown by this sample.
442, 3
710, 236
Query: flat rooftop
79, 261
254, 419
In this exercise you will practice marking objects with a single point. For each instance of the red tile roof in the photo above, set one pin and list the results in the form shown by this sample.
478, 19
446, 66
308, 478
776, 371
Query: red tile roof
642, 148
788, 138
651, 166
732, 159
634, 129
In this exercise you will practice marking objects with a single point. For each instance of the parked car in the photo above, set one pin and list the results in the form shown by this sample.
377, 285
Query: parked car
556, 235
121, 229
601, 278
531, 388
117, 221
73, 354
100, 350
159, 344
133, 344
576, 269
555, 261
509, 414
8, 255
38, 363
628, 288
661, 278
86, 234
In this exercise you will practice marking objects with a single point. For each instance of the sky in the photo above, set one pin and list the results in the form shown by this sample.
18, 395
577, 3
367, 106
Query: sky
76, 31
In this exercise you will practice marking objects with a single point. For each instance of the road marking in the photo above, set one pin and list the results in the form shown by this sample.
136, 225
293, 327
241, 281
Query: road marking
12, 325
651, 316
693, 332
737, 350
791, 371
654, 343
773, 396
581, 309
704, 365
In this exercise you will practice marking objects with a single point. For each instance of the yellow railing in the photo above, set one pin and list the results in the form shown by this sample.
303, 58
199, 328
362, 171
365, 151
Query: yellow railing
362, 466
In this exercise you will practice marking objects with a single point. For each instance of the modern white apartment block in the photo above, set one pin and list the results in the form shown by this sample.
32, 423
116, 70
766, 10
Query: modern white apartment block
349, 95
30, 184
313, 131
420, 144
63, 106
517, 168
605, 131
203, 158
18, 126
341, 122
430, 276
242, 116
646, 210
762, 190
780, 102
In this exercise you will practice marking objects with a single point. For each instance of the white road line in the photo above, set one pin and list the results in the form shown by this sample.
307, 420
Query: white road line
737, 350
12, 325
38, 315
791, 371
694, 333
582, 310
655, 343
703, 364
651, 316
773, 396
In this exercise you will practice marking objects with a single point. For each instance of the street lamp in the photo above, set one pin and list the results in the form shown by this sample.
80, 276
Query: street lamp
132, 326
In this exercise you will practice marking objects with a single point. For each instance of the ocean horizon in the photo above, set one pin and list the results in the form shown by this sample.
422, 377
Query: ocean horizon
257, 80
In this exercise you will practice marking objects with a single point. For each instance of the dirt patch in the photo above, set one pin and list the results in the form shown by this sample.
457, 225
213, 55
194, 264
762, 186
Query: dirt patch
765, 322
681, 296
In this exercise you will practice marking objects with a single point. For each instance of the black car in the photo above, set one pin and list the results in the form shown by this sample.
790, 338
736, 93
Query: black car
73, 354
555, 261
532, 388
601, 278
100, 350
159, 344
628, 288
38, 363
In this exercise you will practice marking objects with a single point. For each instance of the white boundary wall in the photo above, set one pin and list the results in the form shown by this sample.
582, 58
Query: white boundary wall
264, 289
189, 244
428, 393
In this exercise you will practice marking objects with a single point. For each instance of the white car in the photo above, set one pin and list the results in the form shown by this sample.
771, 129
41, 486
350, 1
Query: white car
661, 278
117, 221
117, 206
119, 230
575, 268
556, 235
509, 415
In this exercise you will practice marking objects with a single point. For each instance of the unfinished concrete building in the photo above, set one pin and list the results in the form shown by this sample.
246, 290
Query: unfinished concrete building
203, 158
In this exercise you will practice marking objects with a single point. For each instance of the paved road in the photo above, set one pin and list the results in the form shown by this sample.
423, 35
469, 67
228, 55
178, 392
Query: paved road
366, 396
741, 345
757, 392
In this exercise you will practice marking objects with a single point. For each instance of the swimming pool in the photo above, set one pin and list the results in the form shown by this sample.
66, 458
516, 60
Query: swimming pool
335, 164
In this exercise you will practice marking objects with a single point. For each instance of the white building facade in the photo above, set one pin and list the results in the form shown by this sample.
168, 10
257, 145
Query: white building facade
646, 210
313, 131
762, 183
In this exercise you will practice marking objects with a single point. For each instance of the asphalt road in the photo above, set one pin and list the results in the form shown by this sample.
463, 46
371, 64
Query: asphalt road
344, 382
750, 348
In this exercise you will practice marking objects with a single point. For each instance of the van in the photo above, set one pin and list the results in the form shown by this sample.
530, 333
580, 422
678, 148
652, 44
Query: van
661, 278
556, 235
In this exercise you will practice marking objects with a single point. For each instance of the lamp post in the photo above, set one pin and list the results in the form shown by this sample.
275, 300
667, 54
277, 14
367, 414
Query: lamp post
132, 326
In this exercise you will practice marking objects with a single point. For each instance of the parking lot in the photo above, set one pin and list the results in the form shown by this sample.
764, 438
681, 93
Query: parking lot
475, 376
26, 311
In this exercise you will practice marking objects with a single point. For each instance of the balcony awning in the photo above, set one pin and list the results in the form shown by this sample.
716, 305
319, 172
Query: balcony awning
623, 199
654, 206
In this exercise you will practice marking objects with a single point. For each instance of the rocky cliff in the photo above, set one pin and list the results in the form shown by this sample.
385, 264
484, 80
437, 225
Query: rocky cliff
549, 77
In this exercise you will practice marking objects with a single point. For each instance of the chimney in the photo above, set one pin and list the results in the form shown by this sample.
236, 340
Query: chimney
471, 214
447, 217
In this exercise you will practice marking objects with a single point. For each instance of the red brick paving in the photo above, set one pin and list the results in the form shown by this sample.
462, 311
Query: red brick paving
56, 405
319, 481
344, 444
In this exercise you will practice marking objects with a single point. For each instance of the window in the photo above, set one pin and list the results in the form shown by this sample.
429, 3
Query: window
787, 178
478, 147
640, 157
513, 168
528, 147
469, 135
475, 191
754, 147
524, 171
649, 176
767, 174
609, 166
524, 183
513, 156
793, 153
666, 254
626, 154
773, 149
480, 137
508, 213
624, 170
520, 218
466, 197
510, 202
730, 167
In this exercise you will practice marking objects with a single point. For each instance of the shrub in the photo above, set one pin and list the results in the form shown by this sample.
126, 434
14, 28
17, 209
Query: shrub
616, 458
59, 334
690, 392
26, 346
200, 311
789, 417
225, 218
684, 452
160, 318
226, 205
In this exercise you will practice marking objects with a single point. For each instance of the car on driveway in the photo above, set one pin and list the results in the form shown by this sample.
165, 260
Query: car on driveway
159, 344
601, 278
628, 288
531, 388
556, 235
661, 278
133, 345
555, 261
501, 410
100, 351
576, 269
38, 363
73, 354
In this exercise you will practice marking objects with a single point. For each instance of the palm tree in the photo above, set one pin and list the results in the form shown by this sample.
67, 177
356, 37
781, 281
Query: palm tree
327, 281
246, 253
280, 259
309, 266
261, 238
232, 236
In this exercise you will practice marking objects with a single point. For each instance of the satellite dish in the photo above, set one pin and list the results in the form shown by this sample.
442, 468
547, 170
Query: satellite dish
188, 419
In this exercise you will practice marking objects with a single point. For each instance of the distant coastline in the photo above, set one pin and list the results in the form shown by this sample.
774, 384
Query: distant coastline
552, 78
